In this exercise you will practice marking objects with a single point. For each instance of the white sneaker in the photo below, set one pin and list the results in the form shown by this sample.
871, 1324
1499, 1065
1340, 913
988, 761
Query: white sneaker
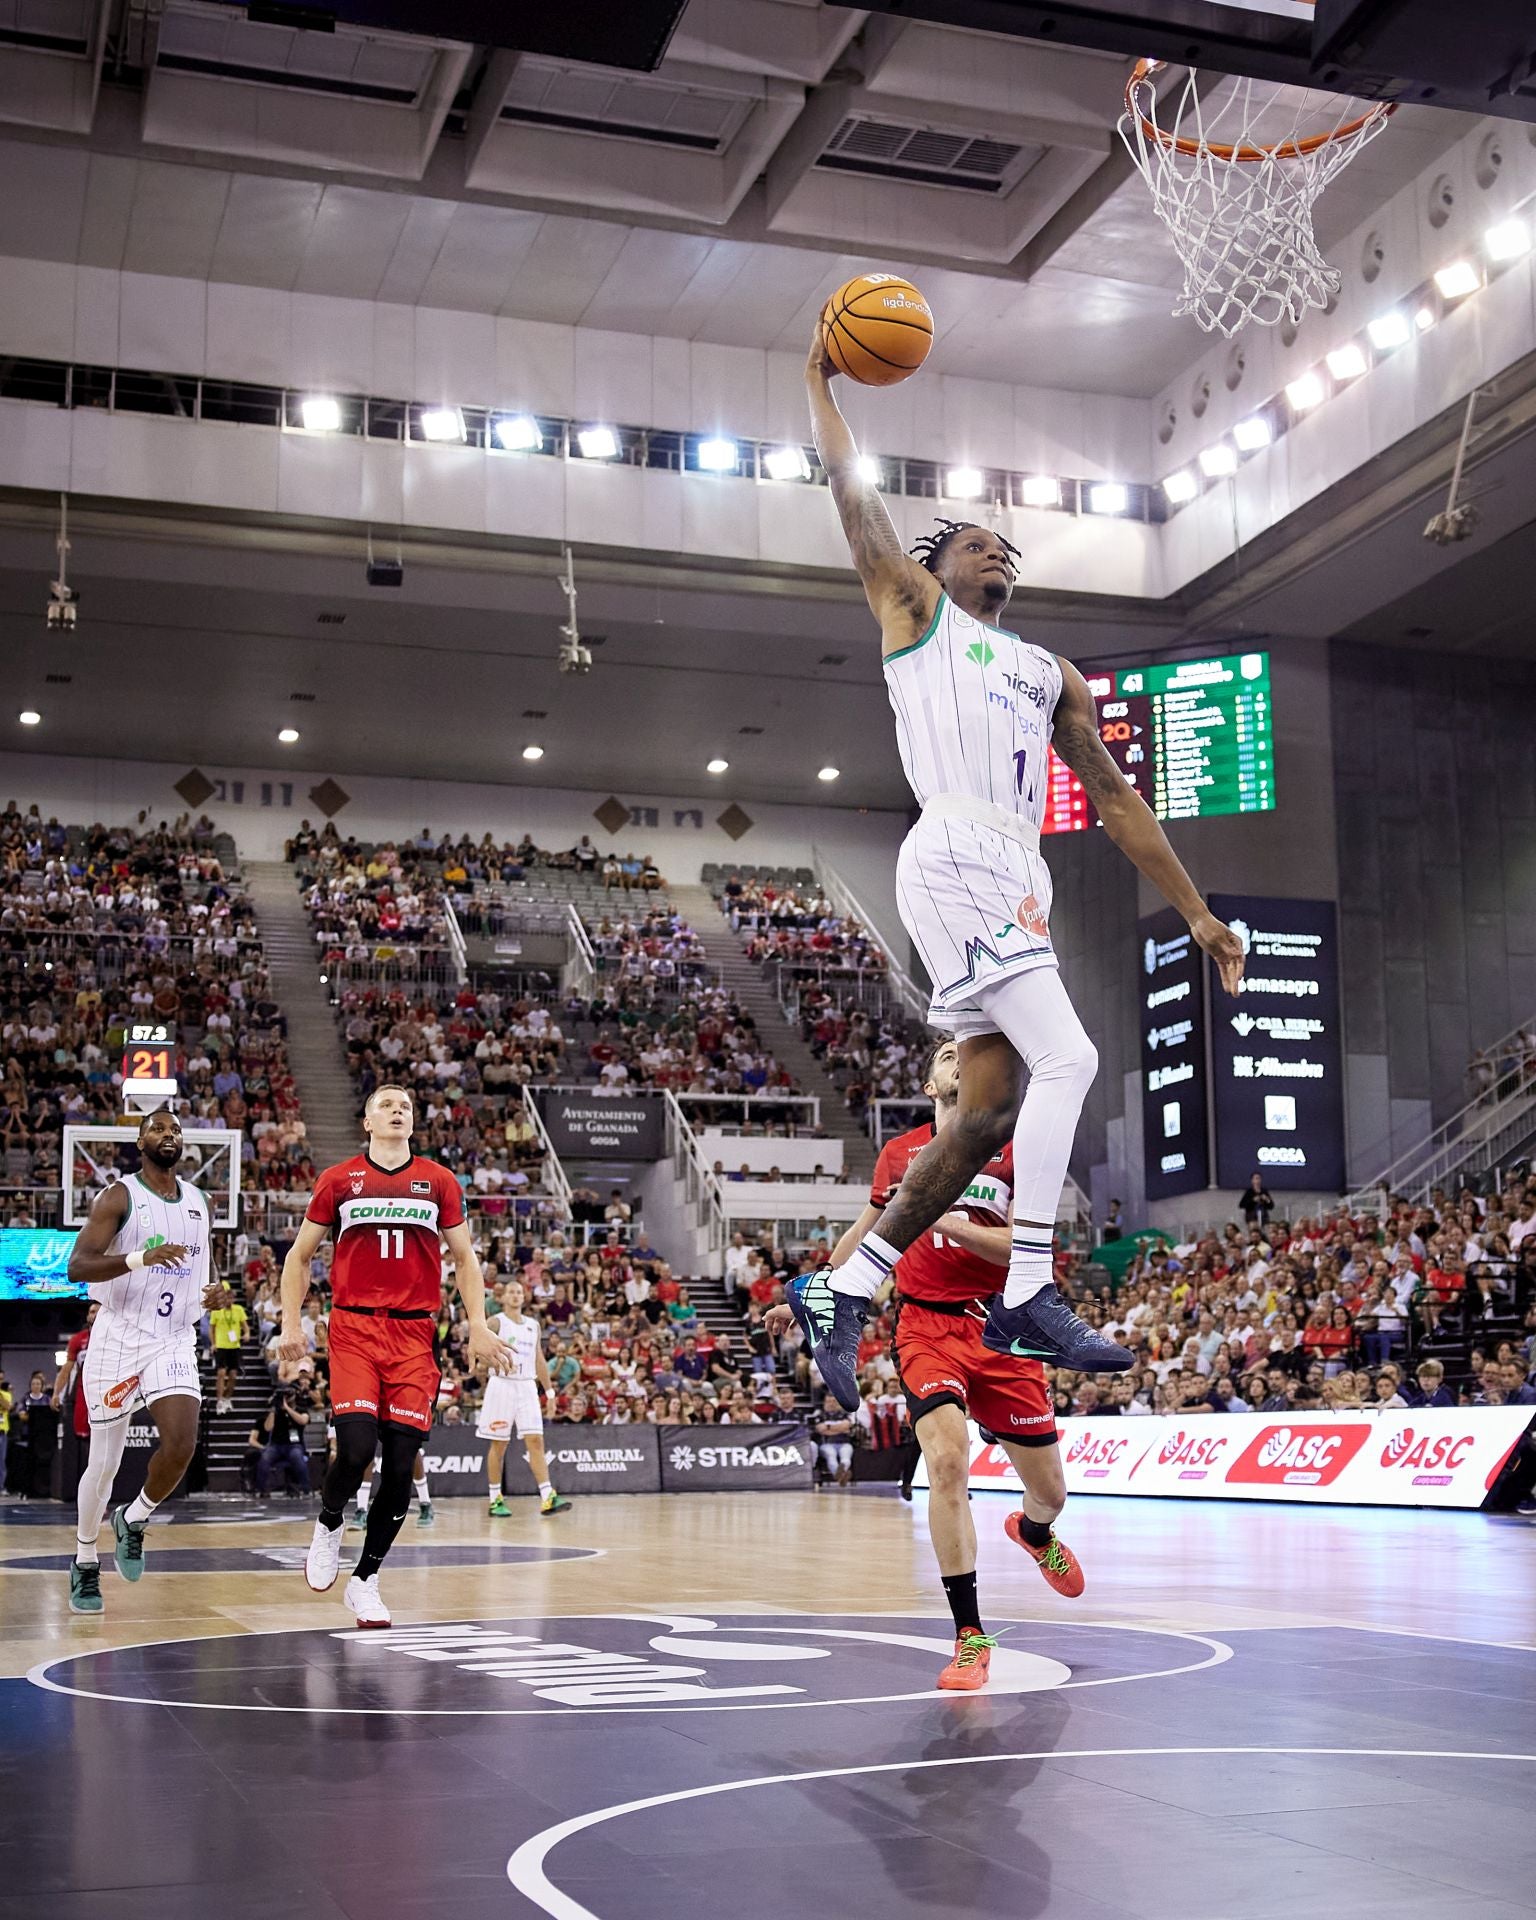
323, 1561
362, 1596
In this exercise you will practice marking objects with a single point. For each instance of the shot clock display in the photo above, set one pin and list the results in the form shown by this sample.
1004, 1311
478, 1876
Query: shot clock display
1193, 738
149, 1050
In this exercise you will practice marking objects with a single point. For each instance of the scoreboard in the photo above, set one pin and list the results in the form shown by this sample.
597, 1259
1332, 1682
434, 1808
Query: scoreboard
1193, 738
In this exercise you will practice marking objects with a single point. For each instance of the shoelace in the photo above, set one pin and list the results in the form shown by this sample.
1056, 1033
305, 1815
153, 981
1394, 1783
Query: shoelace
1056, 1557
972, 1648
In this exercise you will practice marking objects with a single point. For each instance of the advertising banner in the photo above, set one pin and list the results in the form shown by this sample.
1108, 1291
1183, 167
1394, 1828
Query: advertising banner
455, 1462
34, 1265
1172, 1021
596, 1126
1418, 1457
1277, 1052
735, 1459
591, 1459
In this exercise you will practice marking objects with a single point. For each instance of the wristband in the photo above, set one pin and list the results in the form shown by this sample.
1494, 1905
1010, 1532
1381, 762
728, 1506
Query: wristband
134, 1260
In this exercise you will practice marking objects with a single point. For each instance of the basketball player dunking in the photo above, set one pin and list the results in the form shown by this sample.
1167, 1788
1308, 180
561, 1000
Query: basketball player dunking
944, 1281
143, 1252
388, 1209
977, 711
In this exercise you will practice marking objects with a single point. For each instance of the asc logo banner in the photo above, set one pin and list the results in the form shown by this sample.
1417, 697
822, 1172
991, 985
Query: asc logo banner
1422, 1457
730, 1459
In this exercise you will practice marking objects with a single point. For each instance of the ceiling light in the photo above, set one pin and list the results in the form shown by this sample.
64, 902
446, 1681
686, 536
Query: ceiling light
533, 753
287, 735
1508, 240
870, 471
1108, 497
1458, 279
829, 773
1424, 319
789, 463
1307, 392
442, 423
1041, 490
517, 433
1217, 461
964, 483
1253, 433
1347, 362
29, 717
718, 456
716, 766
1180, 488
1389, 330
597, 443
320, 413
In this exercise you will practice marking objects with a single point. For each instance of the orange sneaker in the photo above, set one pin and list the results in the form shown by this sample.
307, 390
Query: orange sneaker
973, 1658
1056, 1560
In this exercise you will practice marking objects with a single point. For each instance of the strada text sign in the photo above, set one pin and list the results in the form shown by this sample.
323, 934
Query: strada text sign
1422, 1457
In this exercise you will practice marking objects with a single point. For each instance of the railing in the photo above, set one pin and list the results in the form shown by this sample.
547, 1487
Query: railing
456, 943
390, 962
751, 1104
701, 1186
554, 1174
113, 953
913, 997
581, 963
1469, 1133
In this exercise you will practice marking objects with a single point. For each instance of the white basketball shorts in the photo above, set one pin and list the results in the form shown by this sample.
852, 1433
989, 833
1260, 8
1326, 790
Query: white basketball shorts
125, 1368
510, 1407
977, 902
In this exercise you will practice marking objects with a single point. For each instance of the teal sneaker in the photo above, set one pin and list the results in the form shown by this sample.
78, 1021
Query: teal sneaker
129, 1552
556, 1503
84, 1588
427, 1515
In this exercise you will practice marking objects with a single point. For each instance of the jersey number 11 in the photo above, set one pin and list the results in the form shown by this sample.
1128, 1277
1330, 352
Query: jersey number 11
386, 1235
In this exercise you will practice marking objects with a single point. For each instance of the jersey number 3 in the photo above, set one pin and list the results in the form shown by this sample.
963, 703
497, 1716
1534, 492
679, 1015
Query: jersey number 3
391, 1242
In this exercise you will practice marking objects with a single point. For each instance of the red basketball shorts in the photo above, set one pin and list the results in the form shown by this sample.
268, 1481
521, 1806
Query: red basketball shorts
941, 1359
385, 1368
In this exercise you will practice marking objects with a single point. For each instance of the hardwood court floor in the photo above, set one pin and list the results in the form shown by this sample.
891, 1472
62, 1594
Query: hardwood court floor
723, 1705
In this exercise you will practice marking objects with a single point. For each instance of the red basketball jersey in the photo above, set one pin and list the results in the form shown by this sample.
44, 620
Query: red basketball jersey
387, 1226
934, 1268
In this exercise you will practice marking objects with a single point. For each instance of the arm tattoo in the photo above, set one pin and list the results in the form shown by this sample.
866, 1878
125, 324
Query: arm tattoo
872, 539
1077, 742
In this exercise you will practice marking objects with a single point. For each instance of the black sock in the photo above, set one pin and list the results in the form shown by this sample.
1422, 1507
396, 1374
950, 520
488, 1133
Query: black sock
1036, 1532
960, 1592
330, 1519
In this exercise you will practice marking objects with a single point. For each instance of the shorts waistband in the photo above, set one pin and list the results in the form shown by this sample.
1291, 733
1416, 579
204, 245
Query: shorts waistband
982, 813
389, 1313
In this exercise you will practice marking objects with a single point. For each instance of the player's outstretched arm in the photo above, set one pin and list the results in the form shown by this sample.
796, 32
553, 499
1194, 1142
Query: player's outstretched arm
901, 594
1132, 825
483, 1344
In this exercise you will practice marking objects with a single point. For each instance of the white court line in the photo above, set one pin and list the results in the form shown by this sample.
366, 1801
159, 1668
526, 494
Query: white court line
525, 1869
1217, 1654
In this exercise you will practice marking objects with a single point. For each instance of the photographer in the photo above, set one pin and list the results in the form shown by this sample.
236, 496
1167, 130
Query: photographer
287, 1417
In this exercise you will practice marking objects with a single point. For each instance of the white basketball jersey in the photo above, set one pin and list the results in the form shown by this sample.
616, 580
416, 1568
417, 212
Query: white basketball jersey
973, 709
162, 1303
522, 1336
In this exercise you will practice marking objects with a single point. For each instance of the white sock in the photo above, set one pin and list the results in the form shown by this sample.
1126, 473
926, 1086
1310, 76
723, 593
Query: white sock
362, 1497
867, 1268
138, 1514
422, 1491
1029, 1263
546, 1491
85, 1552
495, 1494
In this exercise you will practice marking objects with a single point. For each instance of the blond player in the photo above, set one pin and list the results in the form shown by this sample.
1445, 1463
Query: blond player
512, 1403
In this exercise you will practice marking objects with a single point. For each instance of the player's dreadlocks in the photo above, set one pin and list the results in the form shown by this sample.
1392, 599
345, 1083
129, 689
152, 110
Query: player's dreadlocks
930, 546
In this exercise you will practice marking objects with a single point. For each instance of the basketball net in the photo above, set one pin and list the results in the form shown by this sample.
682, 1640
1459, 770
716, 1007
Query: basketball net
1234, 177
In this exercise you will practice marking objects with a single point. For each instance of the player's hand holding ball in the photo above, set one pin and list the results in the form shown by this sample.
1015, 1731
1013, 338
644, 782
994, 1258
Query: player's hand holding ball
877, 328
485, 1348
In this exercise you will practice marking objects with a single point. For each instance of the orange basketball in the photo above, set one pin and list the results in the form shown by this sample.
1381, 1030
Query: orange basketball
877, 328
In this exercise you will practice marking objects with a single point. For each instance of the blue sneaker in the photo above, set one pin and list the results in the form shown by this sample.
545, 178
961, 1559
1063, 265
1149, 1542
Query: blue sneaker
129, 1552
1044, 1327
831, 1323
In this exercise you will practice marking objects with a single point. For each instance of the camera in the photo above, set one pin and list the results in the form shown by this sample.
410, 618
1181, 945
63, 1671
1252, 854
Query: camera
63, 608
1456, 523
573, 656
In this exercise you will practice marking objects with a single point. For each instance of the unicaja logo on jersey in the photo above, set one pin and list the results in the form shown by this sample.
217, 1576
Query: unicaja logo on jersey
979, 652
